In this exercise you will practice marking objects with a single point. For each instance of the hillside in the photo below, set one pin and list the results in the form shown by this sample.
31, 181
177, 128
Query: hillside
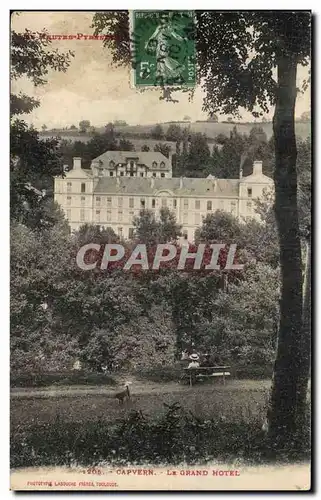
136, 133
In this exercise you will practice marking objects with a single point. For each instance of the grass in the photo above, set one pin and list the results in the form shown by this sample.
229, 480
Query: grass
163, 423
206, 401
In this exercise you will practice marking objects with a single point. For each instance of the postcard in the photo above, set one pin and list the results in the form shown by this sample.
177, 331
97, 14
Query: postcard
160, 219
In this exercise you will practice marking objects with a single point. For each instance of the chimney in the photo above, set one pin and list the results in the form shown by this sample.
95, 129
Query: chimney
241, 173
77, 163
181, 183
257, 167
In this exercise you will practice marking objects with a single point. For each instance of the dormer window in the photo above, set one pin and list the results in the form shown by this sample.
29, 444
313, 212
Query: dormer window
162, 165
154, 164
111, 164
249, 192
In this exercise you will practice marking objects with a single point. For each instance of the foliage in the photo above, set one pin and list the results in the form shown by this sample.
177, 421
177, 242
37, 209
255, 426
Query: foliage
173, 438
84, 126
157, 132
31, 159
165, 149
152, 231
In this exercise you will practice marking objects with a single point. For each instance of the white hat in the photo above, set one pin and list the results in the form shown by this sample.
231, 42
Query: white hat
194, 357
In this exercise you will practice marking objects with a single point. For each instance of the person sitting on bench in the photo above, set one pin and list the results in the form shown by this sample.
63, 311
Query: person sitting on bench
194, 361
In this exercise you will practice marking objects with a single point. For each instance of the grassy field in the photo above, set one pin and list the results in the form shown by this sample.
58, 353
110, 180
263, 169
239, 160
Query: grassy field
243, 399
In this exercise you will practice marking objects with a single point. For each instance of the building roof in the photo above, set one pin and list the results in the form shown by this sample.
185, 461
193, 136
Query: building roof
143, 158
180, 186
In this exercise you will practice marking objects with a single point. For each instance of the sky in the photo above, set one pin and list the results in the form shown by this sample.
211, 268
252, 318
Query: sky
93, 89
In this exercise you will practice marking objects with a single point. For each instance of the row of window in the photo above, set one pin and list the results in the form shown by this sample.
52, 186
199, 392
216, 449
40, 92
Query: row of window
83, 189
132, 164
142, 202
120, 215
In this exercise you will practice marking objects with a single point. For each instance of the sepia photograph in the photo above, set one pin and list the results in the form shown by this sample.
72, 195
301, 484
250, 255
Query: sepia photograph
160, 250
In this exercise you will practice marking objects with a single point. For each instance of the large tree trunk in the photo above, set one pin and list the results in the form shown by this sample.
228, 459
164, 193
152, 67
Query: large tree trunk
290, 378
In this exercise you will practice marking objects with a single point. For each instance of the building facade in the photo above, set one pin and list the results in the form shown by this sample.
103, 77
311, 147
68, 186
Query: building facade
121, 183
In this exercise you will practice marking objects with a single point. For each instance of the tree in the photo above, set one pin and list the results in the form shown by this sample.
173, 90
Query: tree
157, 132
220, 227
213, 118
236, 57
84, 126
125, 145
145, 148
152, 231
168, 230
230, 119
44, 127
73, 127
198, 156
187, 118
33, 162
162, 148
174, 133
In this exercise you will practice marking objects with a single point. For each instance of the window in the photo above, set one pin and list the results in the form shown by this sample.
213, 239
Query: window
174, 203
82, 215
120, 231
131, 233
120, 216
121, 174
109, 202
82, 200
108, 215
98, 215
162, 165
98, 200
120, 201
69, 214
164, 202
249, 192
185, 234
185, 203
154, 164
197, 218
249, 206
131, 174
111, 174
221, 204
209, 205
69, 187
142, 174
153, 202
233, 207
131, 202
131, 213
68, 200
185, 217
111, 164
154, 174
162, 174
83, 187
197, 204
142, 203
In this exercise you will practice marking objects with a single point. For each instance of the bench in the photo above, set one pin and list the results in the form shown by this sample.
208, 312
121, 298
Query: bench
207, 372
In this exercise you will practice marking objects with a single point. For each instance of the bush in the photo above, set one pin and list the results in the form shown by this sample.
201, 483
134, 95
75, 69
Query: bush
71, 378
173, 438
160, 373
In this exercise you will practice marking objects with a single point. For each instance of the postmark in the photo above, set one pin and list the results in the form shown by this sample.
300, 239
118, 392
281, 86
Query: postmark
163, 49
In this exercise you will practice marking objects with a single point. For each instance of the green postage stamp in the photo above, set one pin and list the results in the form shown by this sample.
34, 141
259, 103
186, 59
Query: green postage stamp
162, 48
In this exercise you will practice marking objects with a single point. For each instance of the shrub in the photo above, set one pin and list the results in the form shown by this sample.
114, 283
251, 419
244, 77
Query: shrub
175, 437
71, 378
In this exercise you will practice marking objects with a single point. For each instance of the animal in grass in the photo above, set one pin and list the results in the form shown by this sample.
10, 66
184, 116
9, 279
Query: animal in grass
124, 394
